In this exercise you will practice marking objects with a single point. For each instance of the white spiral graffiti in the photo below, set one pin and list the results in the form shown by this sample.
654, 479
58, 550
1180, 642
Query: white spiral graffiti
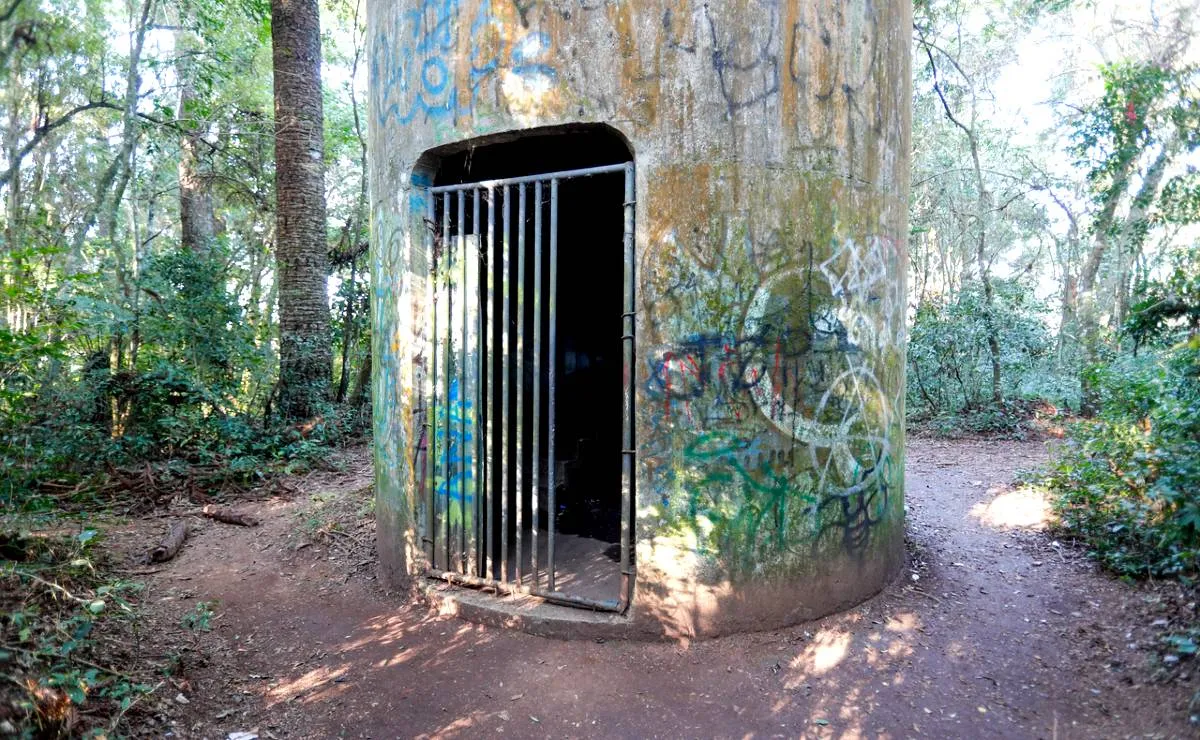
866, 309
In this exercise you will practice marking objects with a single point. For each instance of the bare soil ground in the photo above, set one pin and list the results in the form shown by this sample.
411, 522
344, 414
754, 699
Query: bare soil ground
994, 630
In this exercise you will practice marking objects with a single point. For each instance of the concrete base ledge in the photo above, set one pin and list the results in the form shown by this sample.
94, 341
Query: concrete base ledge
528, 614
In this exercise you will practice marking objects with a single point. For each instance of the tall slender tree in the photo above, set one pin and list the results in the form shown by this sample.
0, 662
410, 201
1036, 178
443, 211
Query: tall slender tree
197, 221
302, 262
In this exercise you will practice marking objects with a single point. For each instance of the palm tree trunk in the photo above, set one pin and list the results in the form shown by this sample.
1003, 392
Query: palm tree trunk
302, 261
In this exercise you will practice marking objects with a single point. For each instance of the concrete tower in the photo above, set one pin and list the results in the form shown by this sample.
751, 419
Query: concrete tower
680, 224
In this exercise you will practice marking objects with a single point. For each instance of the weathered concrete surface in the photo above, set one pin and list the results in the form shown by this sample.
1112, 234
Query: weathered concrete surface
771, 142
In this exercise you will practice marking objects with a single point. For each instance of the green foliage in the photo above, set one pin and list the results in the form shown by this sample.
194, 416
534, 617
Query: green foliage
1128, 482
949, 370
187, 393
199, 619
1170, 305
56, 607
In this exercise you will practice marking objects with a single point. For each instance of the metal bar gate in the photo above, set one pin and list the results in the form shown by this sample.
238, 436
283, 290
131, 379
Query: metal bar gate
479, 483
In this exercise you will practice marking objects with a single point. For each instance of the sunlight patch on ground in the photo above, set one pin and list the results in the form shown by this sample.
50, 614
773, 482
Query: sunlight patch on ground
902, 623
825, 652
466, 722
1022, 508
314, 683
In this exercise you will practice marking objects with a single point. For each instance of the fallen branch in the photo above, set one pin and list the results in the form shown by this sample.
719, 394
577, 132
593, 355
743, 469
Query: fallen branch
170, 543
229, 516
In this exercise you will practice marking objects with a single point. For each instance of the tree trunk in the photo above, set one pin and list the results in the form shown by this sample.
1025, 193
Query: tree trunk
129, 134
302, 262
197, 226
984, 207
985, 275
362, 384
1133, 231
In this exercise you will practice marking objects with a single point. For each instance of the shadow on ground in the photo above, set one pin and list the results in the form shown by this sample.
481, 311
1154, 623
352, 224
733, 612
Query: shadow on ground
992, 630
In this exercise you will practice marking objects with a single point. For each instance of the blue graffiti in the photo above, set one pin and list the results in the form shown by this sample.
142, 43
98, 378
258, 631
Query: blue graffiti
454, 455
409, 63
414, 61
526, 54
418, 203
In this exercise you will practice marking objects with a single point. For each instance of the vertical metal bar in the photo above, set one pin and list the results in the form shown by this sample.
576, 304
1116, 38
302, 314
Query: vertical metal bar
490, 320
536, 415
506, 343
430, 374
477, 370
519, 329
444, 314
519, 359
627, 451
552, 363
464, 446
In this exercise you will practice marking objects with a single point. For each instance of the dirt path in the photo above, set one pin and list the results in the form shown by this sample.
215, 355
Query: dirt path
993, 631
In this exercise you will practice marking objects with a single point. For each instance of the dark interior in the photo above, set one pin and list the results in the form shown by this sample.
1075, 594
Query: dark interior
590, 275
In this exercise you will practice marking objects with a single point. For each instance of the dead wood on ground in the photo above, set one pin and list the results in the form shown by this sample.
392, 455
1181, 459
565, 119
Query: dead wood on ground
170, 544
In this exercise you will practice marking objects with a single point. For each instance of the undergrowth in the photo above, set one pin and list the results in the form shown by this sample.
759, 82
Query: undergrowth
1011, 419
1128, 481
65, 629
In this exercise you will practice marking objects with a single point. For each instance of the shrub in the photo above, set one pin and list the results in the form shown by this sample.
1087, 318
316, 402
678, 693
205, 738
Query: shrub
1128, 481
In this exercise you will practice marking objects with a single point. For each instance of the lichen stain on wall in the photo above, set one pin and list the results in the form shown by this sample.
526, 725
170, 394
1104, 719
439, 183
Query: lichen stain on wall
775, 342
771, 68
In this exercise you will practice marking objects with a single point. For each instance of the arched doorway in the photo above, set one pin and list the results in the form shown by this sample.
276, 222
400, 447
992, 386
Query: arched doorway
525, 455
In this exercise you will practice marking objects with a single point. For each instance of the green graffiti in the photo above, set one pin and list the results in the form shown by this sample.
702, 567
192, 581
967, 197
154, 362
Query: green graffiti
738, 503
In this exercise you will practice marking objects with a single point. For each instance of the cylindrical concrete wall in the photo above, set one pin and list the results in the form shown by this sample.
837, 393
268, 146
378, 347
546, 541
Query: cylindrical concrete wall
771, 142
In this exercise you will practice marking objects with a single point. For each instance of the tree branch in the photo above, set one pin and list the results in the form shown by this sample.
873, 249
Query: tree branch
10, 10
41, 132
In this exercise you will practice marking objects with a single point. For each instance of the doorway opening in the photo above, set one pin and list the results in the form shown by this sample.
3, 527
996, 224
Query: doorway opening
526, 454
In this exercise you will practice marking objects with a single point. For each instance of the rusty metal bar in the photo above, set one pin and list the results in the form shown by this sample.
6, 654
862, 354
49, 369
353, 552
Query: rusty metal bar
489, 320
536, 411
506, 348
477, 386
552, 363
627, 449
519, 373
561, 175
462, 450
445, 312
430, 375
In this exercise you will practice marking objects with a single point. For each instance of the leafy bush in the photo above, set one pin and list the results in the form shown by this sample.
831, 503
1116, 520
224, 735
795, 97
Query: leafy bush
949, 365
171, 373
1128, 482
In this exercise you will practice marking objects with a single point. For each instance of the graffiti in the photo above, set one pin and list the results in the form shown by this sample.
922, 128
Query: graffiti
747, 68
861, 506
454, 449
418, 73
746, 63
674, 40
805, 362
712, 367
853, 409
746, 506
409, 66
870, 303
